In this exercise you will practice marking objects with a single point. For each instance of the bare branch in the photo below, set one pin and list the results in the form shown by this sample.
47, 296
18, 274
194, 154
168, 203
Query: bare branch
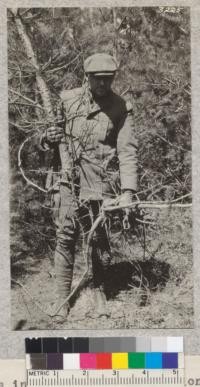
29, 182
158, 205
32, 16
171, 144
64, 66
26, 99
19, 127
25, 12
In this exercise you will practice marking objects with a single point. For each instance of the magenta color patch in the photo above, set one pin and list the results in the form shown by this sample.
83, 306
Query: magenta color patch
88, 361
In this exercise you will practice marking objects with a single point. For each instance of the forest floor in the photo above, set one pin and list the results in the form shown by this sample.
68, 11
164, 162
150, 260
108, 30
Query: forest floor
155, 291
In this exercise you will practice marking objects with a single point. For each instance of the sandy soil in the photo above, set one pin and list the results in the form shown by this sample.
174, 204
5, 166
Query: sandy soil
155, 291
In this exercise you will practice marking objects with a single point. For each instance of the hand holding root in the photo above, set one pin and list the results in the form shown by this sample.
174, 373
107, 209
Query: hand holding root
125, 200
55, 133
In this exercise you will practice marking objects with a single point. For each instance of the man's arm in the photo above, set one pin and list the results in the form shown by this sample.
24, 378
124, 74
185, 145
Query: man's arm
127, 154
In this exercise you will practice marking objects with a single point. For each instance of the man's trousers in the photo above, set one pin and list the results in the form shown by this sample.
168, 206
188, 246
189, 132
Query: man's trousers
73, 219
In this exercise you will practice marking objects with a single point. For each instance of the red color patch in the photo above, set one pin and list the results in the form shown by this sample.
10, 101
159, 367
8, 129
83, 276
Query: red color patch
104, 361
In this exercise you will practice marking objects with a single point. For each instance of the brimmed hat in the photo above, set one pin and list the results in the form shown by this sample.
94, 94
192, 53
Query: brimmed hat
100, 64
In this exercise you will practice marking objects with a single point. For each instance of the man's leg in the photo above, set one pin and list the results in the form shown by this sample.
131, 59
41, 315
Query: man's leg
64, 258
101, 257
101, 254
65, 246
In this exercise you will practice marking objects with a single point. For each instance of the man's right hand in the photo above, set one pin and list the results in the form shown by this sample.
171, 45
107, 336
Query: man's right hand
54, 134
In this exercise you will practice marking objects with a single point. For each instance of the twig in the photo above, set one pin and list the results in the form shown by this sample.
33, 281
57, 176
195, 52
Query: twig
19, 127
174, 145
170, 81
187, 92
29, 182
152, 204
26, 99
32, 16
165, 206
125, 91
144, 221
181, 197
64, 66
26, 11
21, 104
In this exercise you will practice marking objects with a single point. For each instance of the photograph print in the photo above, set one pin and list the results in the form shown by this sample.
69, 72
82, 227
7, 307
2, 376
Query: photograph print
100, 168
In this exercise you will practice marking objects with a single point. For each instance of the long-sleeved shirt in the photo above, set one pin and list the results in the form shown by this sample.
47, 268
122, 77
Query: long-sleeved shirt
101, 140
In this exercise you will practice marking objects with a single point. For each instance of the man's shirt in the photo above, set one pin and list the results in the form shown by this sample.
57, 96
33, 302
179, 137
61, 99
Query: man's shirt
101, 141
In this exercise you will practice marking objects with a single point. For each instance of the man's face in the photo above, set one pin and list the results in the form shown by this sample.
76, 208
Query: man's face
100, 85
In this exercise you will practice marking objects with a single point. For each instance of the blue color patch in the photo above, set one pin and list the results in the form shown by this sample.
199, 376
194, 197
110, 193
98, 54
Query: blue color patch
170, 360
153, 360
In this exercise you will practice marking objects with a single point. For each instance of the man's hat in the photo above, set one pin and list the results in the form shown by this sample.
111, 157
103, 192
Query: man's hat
100, 64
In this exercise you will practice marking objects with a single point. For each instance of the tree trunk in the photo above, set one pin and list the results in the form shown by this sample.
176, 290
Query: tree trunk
42, 86
115, 48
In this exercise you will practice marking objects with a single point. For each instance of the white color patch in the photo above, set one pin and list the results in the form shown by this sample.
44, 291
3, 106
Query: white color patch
71, 361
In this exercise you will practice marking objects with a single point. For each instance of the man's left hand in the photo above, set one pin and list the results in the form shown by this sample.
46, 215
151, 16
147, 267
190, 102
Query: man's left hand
127, 198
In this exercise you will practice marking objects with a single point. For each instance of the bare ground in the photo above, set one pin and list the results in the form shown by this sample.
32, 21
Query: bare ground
151, 291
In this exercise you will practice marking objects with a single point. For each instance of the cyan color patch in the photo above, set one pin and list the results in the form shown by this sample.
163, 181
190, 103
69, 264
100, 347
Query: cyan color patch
153, 360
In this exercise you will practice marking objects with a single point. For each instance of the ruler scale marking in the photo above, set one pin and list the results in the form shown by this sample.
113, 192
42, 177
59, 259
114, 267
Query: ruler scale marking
124, 379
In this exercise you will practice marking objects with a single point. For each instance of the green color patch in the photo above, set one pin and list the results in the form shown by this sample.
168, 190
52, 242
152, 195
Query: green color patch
136, 360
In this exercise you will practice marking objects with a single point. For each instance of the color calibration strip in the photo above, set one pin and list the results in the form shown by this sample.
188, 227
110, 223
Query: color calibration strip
104, 344
105, 361
82, 353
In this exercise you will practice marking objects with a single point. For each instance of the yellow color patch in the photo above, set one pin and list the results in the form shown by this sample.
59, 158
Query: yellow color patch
119, 361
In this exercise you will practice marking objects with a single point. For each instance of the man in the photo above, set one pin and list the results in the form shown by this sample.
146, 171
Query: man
99, 131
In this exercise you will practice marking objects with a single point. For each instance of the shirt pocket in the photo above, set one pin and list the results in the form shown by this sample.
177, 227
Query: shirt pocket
104, 127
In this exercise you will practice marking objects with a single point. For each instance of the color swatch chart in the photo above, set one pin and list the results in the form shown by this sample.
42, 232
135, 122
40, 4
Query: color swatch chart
104, 353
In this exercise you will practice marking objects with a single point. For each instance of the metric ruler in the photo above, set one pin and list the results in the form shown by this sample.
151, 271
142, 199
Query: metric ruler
116, 378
